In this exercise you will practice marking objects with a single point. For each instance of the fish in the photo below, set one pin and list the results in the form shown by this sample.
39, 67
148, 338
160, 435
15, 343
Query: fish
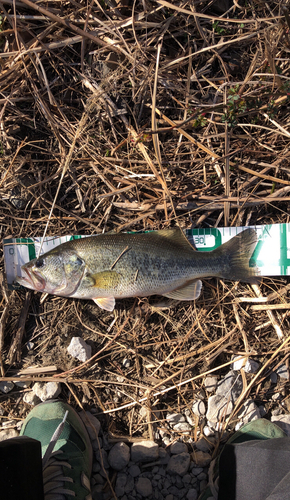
113, 266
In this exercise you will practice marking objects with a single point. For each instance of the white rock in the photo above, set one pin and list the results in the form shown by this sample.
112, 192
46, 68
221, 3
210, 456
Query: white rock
126, 363
208, 431
144, 487
198, 408
144, 451
178, 464
46, 390
8, 434
79, 349
6, 386
182, 427
218, 407
248, 412
210, 383
30, 398
283, 421
283, 372
119, 456
190, 417
175, 418
249, 365
230, 386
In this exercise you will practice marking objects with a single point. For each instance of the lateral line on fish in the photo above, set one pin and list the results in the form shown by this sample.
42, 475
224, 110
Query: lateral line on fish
118, 258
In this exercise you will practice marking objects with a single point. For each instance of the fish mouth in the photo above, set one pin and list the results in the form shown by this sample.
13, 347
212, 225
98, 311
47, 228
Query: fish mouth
32, 280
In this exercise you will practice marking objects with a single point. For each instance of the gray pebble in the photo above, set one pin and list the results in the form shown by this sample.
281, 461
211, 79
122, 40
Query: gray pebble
144, 487
144, 451
178, 447
6, 386
119, 456
203, 484
129, 484
196, 470
187, 479
178, 464
202, 476
203, 444
102, 457
120, 484
92, 424
134, 470
191, 494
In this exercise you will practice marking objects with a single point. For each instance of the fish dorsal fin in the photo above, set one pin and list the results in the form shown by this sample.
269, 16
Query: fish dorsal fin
107, 303
176, 235
190, 291
106, 279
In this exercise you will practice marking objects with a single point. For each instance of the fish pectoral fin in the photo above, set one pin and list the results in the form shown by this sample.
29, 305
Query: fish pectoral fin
106, 279
107, 303
190, 291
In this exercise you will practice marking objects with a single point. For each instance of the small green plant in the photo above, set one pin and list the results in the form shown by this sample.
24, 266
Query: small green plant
218, 29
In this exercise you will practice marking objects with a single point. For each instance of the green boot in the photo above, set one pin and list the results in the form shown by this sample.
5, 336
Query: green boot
67, 454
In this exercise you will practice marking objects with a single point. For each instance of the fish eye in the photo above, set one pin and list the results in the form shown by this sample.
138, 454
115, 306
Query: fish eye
39, 263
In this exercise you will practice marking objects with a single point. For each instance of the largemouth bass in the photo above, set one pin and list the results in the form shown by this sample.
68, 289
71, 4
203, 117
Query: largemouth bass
113, 266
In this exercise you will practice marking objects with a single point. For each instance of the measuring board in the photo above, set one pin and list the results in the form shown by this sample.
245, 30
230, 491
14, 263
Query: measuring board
271, 254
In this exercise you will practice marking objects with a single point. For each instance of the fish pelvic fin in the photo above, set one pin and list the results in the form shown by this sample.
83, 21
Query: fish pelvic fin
107, 303
235, 255
190, 291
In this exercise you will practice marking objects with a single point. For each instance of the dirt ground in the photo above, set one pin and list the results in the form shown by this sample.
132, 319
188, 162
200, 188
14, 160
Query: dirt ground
126, 116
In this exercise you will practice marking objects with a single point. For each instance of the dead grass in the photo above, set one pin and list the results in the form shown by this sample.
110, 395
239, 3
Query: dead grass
130, 116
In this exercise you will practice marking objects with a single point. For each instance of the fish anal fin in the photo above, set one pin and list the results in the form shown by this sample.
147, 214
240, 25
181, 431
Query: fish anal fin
190, 291
176, 235
107, 303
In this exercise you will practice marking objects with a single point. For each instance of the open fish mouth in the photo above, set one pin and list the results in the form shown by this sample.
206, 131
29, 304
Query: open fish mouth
31, 280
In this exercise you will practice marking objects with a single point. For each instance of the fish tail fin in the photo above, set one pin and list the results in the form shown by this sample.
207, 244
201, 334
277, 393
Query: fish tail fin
236, 254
